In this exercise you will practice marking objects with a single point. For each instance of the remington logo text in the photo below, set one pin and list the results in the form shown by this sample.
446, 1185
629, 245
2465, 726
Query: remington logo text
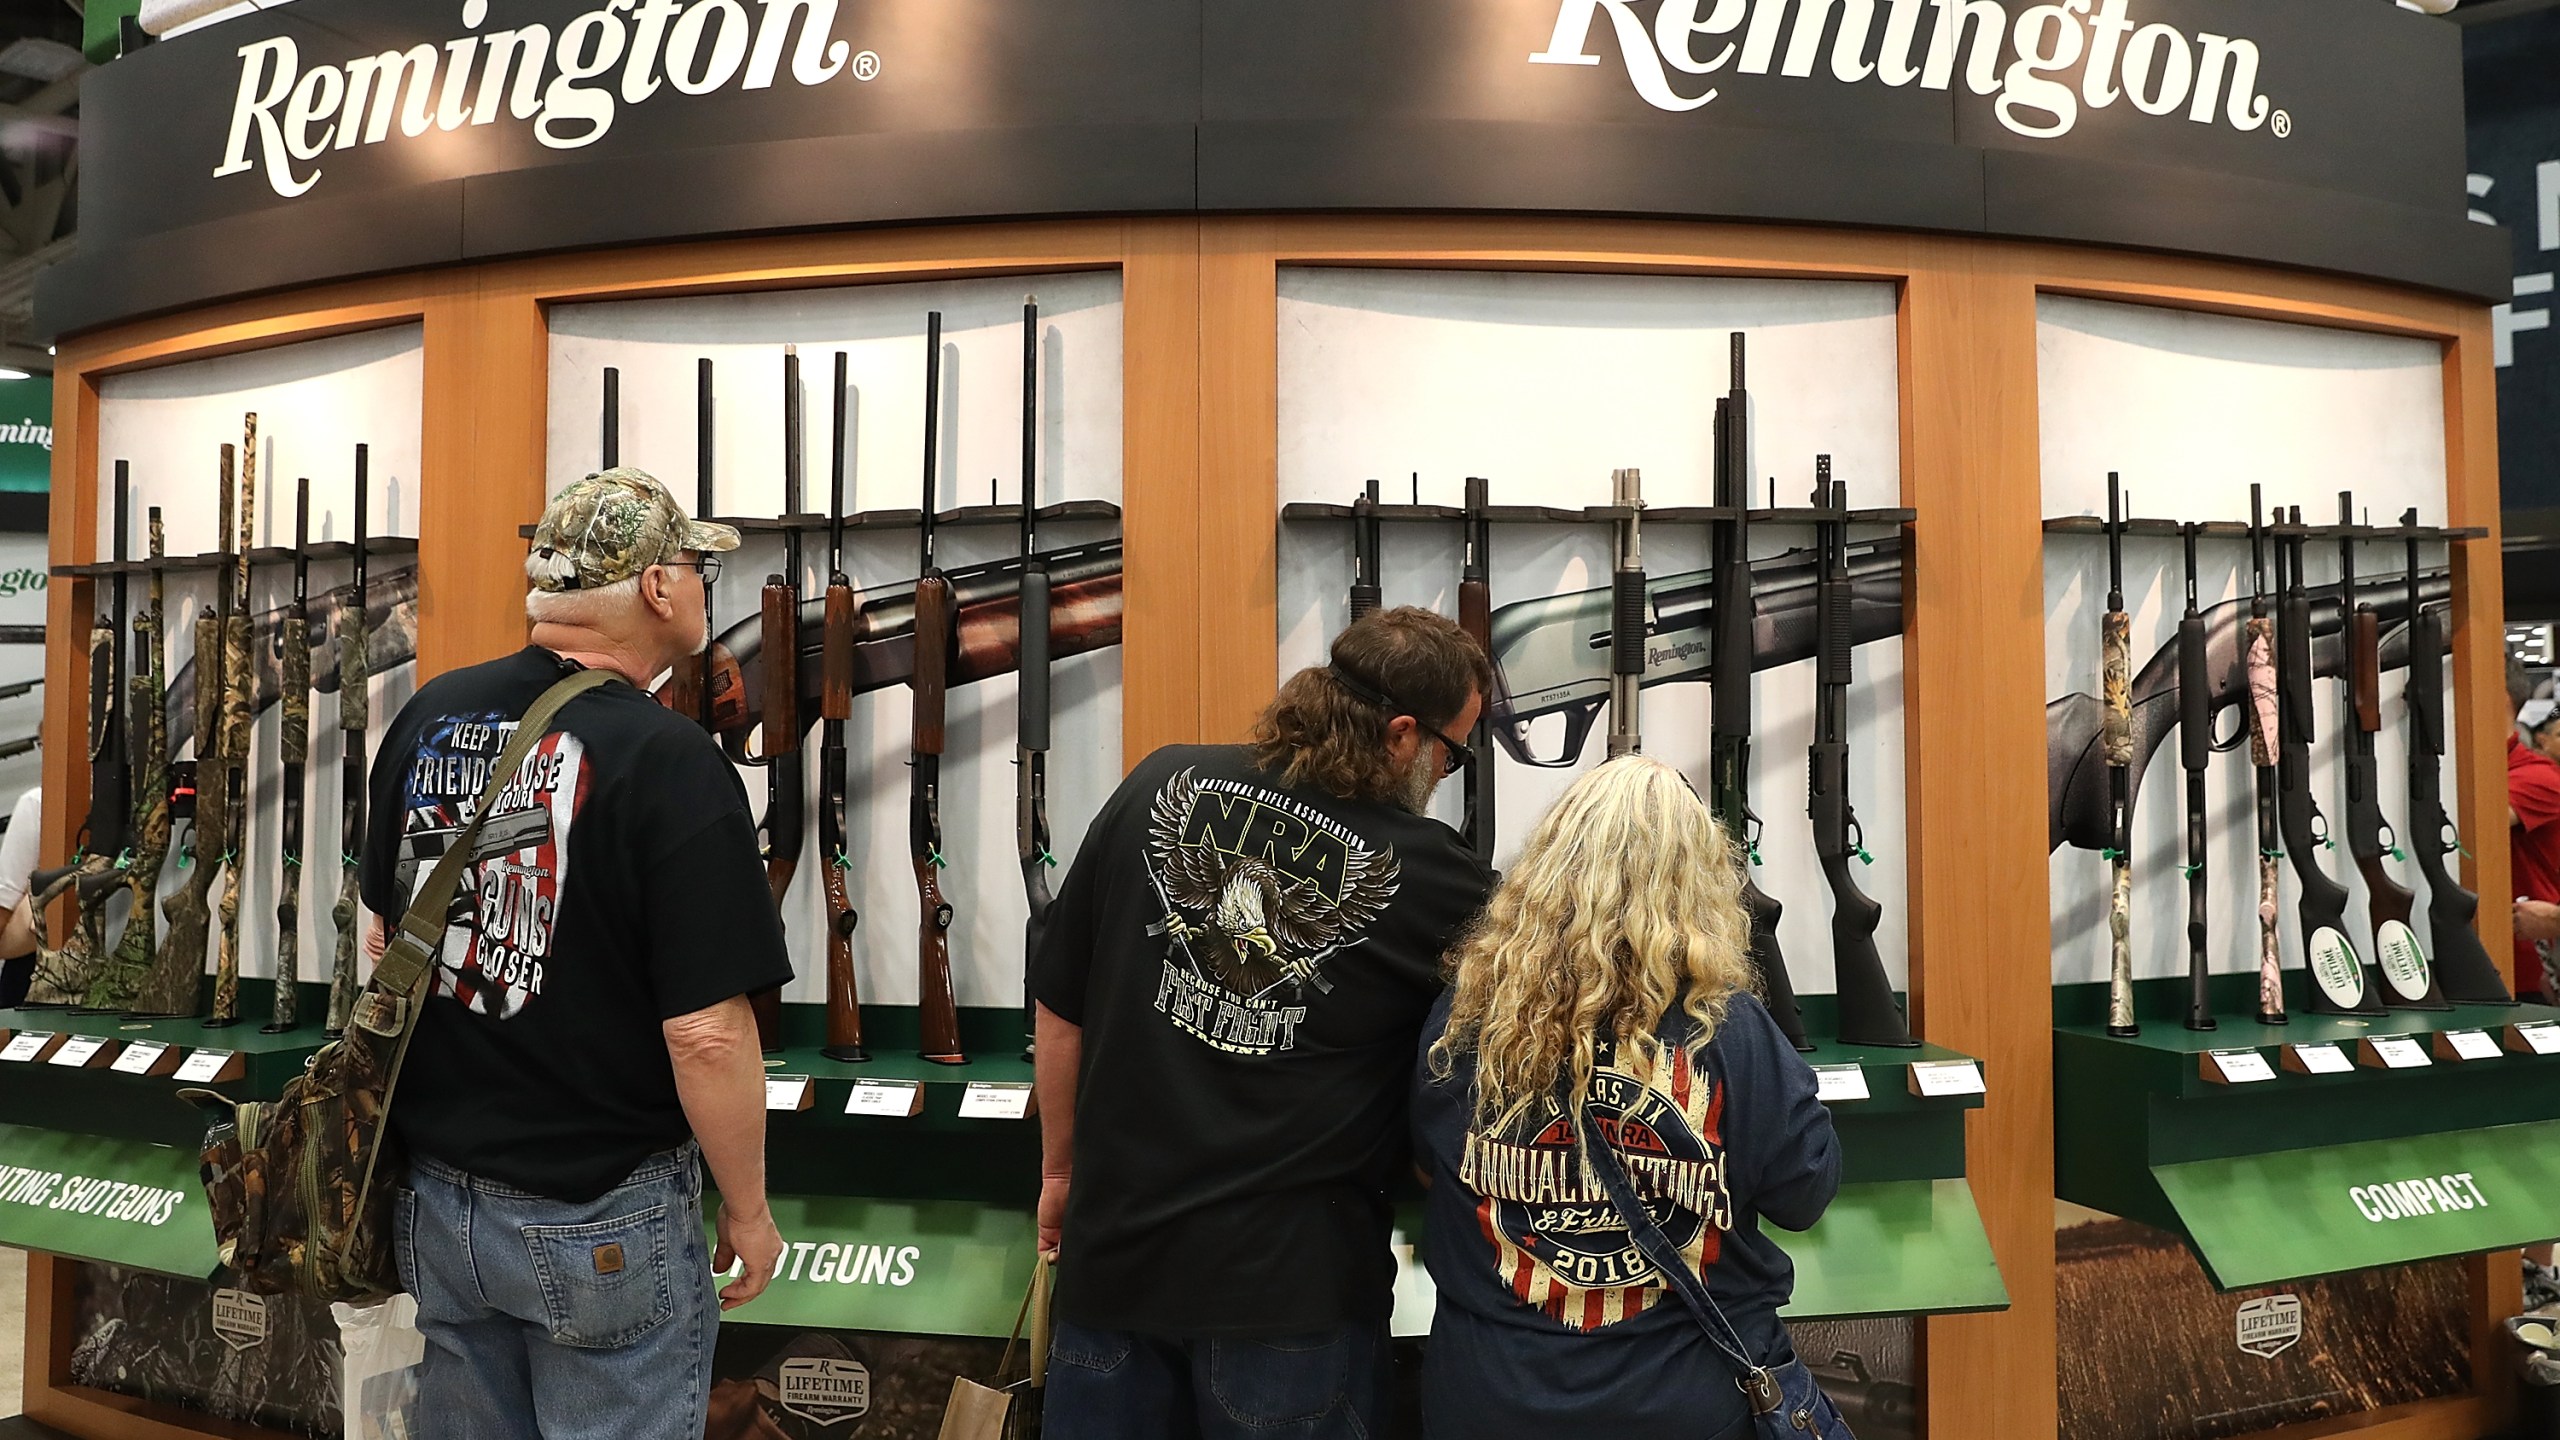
2156, 68
285, 118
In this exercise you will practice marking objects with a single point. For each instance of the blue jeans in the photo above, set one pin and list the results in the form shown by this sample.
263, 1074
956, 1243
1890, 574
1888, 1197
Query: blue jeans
547, 1320
1115, 1385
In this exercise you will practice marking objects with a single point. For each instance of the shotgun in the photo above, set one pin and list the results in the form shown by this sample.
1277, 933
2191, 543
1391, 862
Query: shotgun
785, 788
355, 680
120, 980
1733, 610
2265, 743
835, 707
239, 681
938, 1009
1366, 593
65, 976
295, 664
1869, 1013
709, 688
2408, 983
175, 986
1475, 616
2463, 967
2195, 755
1031, 726
2116, 690
2339, 985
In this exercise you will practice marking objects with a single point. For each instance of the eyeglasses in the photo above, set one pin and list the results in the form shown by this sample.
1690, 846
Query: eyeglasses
709, 565
1456, 757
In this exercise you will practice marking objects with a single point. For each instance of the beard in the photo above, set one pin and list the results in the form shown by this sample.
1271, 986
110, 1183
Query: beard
1420, 780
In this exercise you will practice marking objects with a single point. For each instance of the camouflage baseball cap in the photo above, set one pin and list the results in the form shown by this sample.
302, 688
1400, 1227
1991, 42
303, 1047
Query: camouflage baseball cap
611, 526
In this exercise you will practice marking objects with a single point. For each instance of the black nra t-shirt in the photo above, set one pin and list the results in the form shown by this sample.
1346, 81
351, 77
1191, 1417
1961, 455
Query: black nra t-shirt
616, 885
1242, 1104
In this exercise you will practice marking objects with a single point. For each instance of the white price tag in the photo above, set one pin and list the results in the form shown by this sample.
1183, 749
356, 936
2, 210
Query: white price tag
2399, 1052
2241, 1067
139, 1057
1937, 1079
2472, 1044
894, 1098
204, 1065
2541, 1037
994, 1100
786, 1092
2322, 1059
78, 1051
25, 1045
1841, 1083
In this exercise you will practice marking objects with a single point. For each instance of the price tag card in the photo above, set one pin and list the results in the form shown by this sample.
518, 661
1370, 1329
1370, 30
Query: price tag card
2236, 1067
204, 1066
2534, 1037
2463, 1045
787, 1092
79, 1052
2317, 1059
2393, 1052
140, 1057
1937, 1079
994, 1100
897, 1099
1841, 1083
27, 1045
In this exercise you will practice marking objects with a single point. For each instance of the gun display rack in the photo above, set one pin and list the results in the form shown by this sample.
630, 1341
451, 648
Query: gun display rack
1068, 511
321, 552
1309, 511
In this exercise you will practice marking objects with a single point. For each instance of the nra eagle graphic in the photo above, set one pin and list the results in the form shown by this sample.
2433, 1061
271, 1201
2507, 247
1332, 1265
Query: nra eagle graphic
1258, 891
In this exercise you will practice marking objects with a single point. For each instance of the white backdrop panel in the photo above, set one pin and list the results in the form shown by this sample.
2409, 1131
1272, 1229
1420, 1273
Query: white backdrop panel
1545, 384
656, 344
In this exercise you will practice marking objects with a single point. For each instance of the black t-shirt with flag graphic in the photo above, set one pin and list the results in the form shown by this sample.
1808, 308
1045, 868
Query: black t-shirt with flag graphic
615, 886
1551, 1321
1250, 964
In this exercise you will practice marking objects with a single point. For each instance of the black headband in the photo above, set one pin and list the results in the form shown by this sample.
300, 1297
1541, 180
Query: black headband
1362, 690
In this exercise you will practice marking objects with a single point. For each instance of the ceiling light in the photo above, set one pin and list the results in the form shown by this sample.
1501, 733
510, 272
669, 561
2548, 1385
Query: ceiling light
44, 61
11, 372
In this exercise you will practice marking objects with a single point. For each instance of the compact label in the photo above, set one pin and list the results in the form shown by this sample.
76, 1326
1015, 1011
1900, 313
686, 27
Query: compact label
2415, 1199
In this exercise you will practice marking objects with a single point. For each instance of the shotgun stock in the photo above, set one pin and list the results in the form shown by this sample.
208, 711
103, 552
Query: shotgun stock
938, 1007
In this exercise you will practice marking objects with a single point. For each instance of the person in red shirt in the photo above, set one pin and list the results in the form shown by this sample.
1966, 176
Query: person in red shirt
2533, 810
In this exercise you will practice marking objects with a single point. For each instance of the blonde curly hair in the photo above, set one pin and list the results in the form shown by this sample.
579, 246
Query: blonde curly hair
1626, 901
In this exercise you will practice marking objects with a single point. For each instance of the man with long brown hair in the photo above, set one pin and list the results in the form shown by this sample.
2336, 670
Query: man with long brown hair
1236, 975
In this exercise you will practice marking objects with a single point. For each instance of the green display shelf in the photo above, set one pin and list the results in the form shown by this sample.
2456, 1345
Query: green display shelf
106, 1102
93, 1197
1895, 1247
934, 1267
2275, 1179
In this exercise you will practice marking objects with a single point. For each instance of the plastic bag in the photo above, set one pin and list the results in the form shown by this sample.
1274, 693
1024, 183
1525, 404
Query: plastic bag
383, 1355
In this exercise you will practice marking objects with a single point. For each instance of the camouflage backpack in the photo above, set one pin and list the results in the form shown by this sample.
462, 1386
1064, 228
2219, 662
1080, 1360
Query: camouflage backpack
300, 1186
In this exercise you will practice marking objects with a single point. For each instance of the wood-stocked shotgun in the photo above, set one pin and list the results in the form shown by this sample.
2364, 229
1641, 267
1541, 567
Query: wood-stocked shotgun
294, 661
1031, 740
239, 684
835, 707
785, 785
355, 678
937, 1007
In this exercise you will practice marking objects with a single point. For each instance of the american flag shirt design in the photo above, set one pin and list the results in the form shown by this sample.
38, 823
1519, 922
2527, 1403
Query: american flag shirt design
1555, 1240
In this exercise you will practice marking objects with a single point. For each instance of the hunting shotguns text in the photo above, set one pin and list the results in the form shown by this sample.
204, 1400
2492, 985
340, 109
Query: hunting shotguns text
1572, 655
2268, 666
138, 791
805, 656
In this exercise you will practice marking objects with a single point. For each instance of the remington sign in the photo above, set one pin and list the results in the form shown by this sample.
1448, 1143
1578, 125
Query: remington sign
331, 138
567, 87
2157, 68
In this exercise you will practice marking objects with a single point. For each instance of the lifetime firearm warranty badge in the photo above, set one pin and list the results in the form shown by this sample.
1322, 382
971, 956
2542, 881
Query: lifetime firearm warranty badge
823, 1390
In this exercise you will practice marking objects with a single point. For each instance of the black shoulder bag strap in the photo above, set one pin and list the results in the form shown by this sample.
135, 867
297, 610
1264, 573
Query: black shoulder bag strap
1758, 1383
396, 994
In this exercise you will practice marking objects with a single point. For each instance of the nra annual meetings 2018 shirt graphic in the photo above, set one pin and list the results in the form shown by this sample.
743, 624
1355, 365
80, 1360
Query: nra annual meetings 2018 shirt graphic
1557, 1241
508, 901
1259, 891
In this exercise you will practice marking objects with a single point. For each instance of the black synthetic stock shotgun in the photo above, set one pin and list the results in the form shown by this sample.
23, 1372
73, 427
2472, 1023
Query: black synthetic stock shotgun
120, 979
1475, 616
707, 687
2116, 684
295, 662
2258, 660
2463, 967
64, 976
937, 1008
1366, 593
2400, 963
355, 680
1729, 763
784, 775
2338, 983
1031, 743
239, 683
2195, 755
1869, 1013
1627, 616
610, 450
835, 707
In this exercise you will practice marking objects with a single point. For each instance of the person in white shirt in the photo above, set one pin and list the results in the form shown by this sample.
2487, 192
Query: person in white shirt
17, 865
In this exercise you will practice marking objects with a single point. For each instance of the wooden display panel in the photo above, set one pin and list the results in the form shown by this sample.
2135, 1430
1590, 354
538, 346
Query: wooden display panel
1200, 463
